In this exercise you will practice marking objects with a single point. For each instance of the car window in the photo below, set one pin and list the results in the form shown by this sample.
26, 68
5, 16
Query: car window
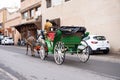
6, 37
87, 38
99, 37
10, 38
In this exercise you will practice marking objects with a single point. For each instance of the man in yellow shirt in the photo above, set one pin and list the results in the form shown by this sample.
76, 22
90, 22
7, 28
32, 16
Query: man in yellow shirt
47, 26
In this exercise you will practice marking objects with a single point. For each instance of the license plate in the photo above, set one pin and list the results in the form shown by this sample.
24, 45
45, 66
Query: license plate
102, 48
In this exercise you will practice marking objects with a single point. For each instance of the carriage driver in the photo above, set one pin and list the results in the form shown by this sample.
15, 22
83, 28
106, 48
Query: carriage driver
47, 26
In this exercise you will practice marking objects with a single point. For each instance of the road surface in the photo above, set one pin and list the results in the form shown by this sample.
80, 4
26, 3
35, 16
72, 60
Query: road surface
17, 65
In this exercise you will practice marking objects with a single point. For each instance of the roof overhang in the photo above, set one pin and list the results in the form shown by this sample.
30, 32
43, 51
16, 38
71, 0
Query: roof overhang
36, 23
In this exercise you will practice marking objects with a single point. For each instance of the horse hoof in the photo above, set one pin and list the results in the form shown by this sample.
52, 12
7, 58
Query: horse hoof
38, 52
33, 55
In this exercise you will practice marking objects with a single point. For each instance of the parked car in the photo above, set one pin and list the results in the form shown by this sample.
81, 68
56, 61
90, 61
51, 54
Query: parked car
7, 40
1, 37
98, 43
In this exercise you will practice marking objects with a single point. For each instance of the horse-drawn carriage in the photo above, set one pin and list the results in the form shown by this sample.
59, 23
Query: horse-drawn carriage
66, 39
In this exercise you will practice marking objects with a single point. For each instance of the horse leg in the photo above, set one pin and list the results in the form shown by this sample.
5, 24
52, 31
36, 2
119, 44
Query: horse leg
32, 51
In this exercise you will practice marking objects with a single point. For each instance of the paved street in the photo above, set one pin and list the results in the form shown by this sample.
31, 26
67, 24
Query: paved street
15, 65
6, 76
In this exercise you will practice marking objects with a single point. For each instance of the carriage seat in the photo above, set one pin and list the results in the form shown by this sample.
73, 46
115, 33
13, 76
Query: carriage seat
72, 29
51, 35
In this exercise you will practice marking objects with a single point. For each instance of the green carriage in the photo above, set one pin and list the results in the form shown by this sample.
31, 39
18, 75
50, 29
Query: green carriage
66, 39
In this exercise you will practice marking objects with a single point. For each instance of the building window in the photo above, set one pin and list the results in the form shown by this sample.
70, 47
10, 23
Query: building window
48, 3
38, 12
32, 13
56, 2
55, 22
25, 15
38, 9
67, 0
22, 0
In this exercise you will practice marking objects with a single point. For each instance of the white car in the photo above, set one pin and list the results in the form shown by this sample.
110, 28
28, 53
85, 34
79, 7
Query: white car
7, 40
98, 43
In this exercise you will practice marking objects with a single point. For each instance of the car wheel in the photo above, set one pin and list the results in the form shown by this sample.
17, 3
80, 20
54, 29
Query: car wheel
106, 51
91, 51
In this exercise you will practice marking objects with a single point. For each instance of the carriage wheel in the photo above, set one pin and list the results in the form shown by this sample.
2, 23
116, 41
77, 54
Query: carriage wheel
59, 54
84, 52
42, 52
